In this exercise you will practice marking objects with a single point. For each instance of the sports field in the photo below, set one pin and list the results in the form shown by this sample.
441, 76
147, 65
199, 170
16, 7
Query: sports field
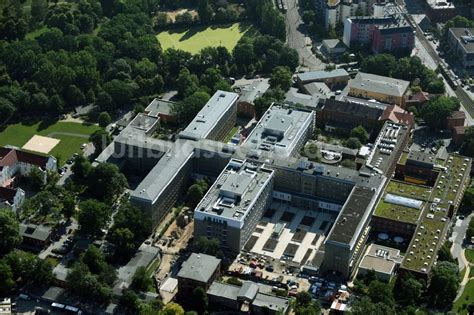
70, 134
196, 38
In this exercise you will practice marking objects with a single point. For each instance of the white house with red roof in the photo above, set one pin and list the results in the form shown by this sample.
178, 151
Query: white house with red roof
14, 161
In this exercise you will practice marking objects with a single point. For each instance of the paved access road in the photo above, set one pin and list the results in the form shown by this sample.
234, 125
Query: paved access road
297, 39
457, 237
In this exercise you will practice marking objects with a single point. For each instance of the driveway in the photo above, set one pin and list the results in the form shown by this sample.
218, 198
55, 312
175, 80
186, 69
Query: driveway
457, 237
297, 39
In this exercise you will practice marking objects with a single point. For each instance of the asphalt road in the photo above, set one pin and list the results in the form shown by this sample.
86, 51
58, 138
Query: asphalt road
428, 55
297, 39
457, 237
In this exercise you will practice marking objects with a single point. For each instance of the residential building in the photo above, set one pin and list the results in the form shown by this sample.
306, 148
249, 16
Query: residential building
248, 94
309, 102
458, 133
6, 307
457, 118
234, 204
389, 33
282, 130
14, 161
334, 12
383, 89
35, 237
349, 112
246, 299
333, 48
215, 119
333, 78
199, 270
440, 11
382, 260
461, 41
144, 257
11, 198
398, 115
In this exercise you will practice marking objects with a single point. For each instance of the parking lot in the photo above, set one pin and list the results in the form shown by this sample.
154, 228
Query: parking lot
288, 233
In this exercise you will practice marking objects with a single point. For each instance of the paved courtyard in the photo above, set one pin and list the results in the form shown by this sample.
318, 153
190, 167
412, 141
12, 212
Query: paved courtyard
302, 234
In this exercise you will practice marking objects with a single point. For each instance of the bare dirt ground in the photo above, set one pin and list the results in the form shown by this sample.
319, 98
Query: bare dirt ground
172, 14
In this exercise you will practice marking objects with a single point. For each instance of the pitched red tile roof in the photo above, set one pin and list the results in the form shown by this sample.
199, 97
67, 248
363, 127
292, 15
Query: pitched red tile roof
397, 114
9, 157
7, 194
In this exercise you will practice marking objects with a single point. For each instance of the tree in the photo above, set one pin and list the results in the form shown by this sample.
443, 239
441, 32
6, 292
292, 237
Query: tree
468, 150
93, 217
380, 292
206, 246
105, 182
190, 106
187, 83
6, 108
196, 192
9, 231
444, 253
305, 304
172, 309
100, 139
311, 151
347, 163
360, 133
141, 280
198, 300
281, 78
444, 284
104, 119
83, 283
36, 178
470, 230
81, 167
39, 9
6, 279
204, 10
364, 306
381, 64
438, 109
353, 143
408, 290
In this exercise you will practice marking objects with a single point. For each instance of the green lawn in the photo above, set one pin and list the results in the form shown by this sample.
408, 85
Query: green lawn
52, 261
469, 253
36, 33
467, 297
196, 38
19, 134
397, 213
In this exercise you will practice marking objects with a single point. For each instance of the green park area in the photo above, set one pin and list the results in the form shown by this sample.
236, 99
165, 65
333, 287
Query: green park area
71, 135
196, 38
467, 298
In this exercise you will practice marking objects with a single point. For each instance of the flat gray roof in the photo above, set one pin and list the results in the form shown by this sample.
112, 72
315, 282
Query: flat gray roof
465, 37
199, 267
144, 122
273, 302
255, 89
379, 84
321, 75
235, 190
293, 97
144, 256
210, 115
279, 130
352, 216
153, 185
37, 232
159, 106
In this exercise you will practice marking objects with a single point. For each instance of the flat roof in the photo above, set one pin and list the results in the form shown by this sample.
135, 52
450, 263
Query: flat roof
356, 107
250, 92
418, 157
379, 84
378, 264
199, 267
209, 115
279, 129
321, 75
152, 186
293, 97
144, 122
389, 143
235, 190
159, 106
143, 257
352, 216
429, 235
37, 232
465, 37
